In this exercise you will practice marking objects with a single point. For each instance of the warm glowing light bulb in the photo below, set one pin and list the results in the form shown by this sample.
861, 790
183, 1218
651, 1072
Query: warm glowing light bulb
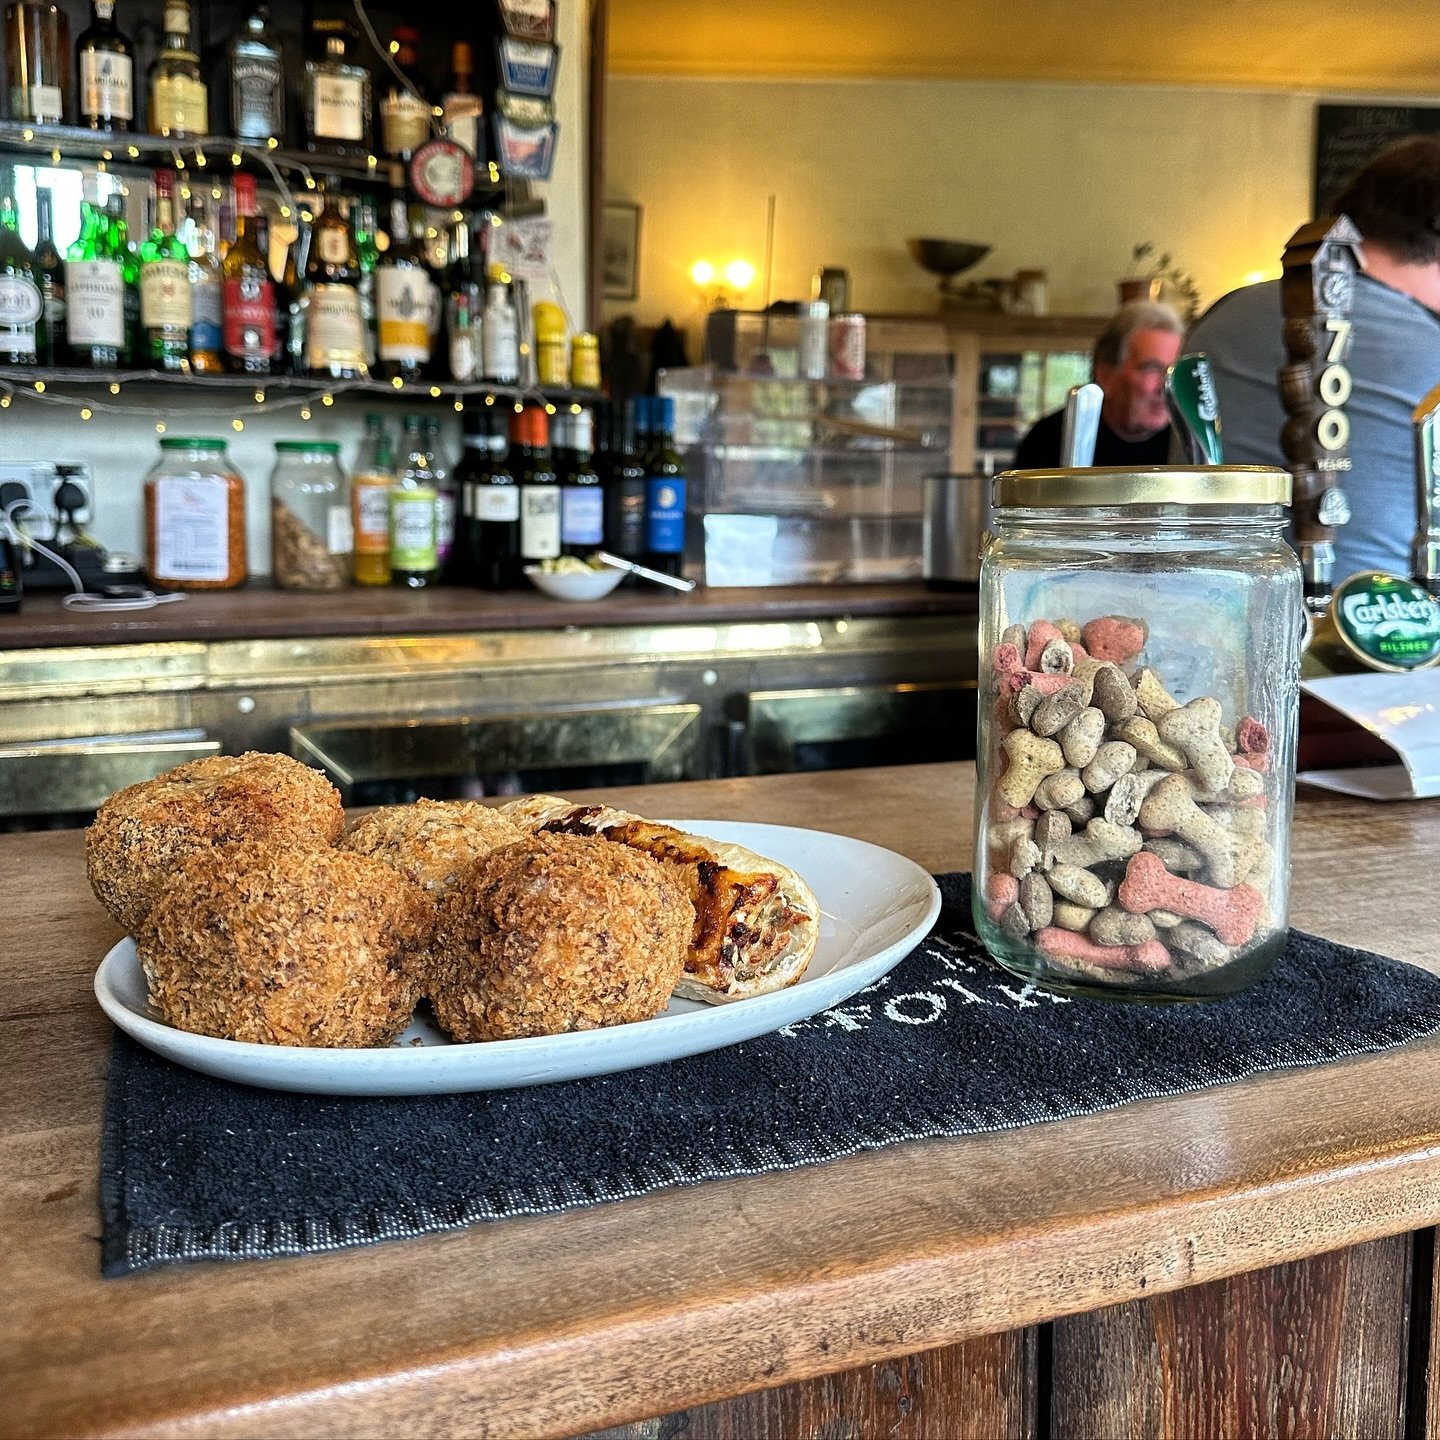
398, 383
114, 387
86, 412
237, 425
327, 399
4, 402
740, 274
304, 412
702, 272
39, 387
459, 406
159, 427
434, 392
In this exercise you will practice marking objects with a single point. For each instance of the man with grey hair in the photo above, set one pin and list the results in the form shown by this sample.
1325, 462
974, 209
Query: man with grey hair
1132, 355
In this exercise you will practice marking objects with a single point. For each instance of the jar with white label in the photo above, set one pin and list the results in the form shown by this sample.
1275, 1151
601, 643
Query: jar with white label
814, 339
195, 517
311, 535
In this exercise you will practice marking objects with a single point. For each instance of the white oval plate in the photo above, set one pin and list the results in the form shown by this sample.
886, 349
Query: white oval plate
875, 907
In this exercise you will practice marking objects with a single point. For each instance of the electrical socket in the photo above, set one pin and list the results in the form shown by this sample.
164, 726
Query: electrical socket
41, 479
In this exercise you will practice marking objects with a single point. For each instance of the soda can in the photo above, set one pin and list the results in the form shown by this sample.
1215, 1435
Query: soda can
847, 347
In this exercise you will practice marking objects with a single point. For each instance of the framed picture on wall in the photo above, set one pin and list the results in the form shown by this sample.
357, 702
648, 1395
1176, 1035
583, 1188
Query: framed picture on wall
621, 268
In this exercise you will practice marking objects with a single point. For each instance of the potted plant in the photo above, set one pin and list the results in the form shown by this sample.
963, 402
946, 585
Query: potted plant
1156, 277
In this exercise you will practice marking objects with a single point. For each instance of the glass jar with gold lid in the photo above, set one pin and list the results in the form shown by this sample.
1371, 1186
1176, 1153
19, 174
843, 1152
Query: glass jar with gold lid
1140, 637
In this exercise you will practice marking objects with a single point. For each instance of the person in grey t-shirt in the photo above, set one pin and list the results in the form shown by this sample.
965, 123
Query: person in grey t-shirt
1394, 359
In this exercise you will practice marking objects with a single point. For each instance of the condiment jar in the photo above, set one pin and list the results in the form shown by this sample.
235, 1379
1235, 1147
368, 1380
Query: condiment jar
1140, 637
311, 531
585, 361
551, 352
195, 517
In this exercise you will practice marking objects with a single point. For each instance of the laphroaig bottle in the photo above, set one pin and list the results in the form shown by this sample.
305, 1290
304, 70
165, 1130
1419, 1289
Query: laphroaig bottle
94, 288
105, 69
117, 228
22, 305
370, 503
582, 497
413, 561
539, 489
493, 497
664, 494
500, 339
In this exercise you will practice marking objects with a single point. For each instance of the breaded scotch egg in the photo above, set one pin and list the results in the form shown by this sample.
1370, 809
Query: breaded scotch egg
432, 842
557, 933
282, 944
142, 832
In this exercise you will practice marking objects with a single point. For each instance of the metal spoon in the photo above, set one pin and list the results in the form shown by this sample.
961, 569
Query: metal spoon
616, 562
1081, 426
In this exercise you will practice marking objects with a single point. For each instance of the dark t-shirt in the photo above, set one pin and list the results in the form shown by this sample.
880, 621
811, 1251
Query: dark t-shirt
1040, 449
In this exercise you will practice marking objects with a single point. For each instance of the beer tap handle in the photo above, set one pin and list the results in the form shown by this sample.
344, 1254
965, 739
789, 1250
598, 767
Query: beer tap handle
1425, 550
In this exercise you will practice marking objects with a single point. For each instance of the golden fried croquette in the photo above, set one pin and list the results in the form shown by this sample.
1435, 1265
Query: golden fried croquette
281, 944
142, 832
559, 932
432, 841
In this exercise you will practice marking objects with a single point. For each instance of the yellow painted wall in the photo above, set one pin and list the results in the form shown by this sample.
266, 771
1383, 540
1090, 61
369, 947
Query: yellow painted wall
1066, 178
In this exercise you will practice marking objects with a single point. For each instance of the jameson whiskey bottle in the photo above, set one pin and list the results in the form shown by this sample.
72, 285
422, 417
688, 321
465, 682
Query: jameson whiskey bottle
179, 99
94, 288
166, 308
22, 308
105, 72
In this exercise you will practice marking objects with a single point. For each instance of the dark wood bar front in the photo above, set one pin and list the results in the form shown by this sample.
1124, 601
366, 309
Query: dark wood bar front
1248, 1259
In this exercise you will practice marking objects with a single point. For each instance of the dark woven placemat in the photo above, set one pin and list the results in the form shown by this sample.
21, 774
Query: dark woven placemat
197, 1168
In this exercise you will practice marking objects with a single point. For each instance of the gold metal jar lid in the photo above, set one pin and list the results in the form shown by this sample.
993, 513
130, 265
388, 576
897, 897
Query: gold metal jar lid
1158, 485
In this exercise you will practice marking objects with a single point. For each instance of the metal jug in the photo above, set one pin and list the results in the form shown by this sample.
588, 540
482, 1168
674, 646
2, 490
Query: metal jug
957, 515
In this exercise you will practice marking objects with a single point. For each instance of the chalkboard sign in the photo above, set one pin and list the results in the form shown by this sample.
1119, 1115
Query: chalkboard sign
1346, 136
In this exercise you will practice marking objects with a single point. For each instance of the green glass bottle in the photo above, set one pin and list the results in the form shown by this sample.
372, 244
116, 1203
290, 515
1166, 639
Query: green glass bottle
22, 306
94, 288
118, 239
414, 562
166, 309
366, 223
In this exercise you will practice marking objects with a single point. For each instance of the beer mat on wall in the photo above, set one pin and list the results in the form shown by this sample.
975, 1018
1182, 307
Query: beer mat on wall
196, 1168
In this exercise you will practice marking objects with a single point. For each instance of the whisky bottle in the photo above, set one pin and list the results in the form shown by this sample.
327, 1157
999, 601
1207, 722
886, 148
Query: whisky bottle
166, 311
404, 297
37, 46
22, 307
105, 72
462, 106
257, 80
207, 282
94, 287
337, 92
405, 108
249, 298
179, 98
334, 331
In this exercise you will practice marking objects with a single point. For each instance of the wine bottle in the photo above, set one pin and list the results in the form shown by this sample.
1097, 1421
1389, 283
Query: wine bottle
664, 493
493, 498
539, 489
54, 349
625, 492
582, 497
105, 72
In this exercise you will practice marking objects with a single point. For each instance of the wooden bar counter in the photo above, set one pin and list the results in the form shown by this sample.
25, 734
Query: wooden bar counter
1252, 1259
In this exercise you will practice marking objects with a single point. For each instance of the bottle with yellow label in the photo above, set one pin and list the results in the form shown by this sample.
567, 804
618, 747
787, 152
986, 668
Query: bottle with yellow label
179, 98
551, 352
404, 297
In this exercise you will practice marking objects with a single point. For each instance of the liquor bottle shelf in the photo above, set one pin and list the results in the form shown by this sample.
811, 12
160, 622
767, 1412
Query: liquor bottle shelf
41, 143
18, 380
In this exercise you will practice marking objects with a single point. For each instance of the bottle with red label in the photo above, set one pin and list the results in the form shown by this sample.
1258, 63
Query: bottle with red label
249, 291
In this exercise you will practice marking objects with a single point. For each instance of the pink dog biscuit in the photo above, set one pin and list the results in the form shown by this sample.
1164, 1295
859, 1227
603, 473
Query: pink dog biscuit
1007, 657
1039, 635
1232, 914
1251, 737
1071, 945
1114, 637
1013, 681
1258, 760
1001, 892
